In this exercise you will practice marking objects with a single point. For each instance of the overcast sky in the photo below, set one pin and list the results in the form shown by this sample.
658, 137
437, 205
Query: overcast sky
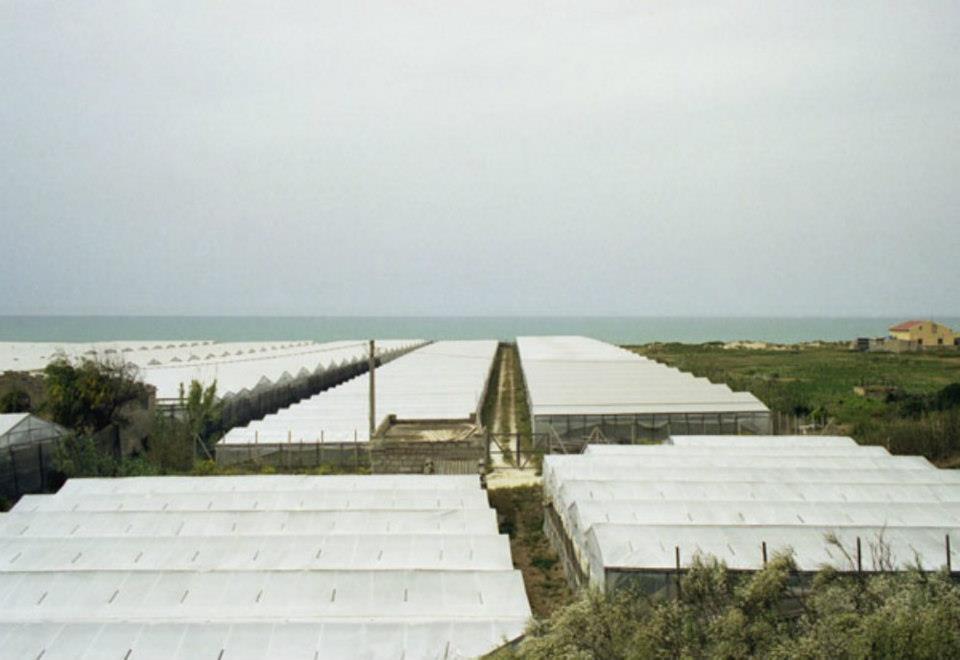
635, 158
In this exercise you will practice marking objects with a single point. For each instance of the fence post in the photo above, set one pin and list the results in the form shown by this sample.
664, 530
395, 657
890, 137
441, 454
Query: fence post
489, 440
676, 554
13, 468
946, 540
43, 476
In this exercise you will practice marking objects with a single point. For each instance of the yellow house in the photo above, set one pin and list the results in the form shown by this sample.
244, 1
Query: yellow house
923, 333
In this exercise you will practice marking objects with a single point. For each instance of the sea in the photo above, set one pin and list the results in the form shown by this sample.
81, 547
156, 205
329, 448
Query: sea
616, 329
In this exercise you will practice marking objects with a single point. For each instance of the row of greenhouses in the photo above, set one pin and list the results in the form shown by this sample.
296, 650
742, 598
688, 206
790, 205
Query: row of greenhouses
238, 368
641, 514
445, 380
211, 568
252, 378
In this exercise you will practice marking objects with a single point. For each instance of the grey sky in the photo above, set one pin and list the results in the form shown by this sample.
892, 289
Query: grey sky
480, 158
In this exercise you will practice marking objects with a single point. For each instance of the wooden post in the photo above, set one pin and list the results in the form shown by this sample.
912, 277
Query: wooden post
371, 369
859, 557
489, 440
763, 549
946, 539
676, 555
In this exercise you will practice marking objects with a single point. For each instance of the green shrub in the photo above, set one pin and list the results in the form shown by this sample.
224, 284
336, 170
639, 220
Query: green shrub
15, 401
763, 615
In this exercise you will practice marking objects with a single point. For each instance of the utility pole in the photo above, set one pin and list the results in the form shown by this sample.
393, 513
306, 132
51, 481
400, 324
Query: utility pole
371, 369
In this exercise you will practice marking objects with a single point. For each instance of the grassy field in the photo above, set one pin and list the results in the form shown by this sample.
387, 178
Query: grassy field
818, 380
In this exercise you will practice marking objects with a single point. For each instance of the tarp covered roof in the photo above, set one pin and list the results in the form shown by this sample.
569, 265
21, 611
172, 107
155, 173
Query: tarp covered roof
258, 567
632, 508
584, 376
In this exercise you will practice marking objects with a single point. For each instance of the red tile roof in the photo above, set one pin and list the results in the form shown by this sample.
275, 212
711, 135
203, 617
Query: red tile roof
906, 325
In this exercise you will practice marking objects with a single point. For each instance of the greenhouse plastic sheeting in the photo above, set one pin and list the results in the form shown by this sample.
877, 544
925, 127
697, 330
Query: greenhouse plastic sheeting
579, 387
252, 553
246, 523
653, 547
370, 567
260, 596
237, 367
273, 483
445, 380
579, 375
628, 510
558, 474
261, 501
582, 516
727, 442
360, 640
718, 449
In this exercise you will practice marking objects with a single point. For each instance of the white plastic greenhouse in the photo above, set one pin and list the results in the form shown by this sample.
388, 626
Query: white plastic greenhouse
445, 380
372, 567
581, 389
252, 378
24, 430
239, 368
641, 513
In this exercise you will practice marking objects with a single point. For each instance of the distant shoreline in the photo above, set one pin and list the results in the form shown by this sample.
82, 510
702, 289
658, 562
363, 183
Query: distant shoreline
619, 330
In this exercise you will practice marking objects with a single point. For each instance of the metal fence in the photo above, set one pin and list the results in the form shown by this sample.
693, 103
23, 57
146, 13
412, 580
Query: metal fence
28, 468
345, 456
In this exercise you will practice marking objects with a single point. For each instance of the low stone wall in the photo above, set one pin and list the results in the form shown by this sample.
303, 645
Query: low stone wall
411, 457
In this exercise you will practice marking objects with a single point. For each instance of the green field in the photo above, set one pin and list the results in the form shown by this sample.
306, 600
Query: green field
817, 382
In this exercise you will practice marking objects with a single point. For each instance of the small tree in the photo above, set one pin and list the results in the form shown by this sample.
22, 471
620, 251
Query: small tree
204, 412
89, 396
170, 446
